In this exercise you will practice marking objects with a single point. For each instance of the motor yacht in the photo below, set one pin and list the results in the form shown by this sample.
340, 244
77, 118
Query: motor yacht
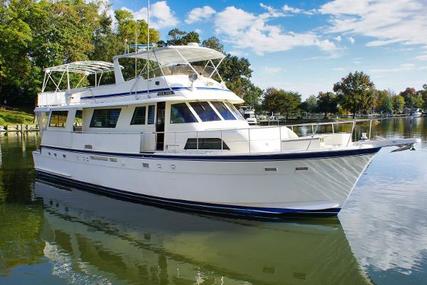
416, 113
172, 136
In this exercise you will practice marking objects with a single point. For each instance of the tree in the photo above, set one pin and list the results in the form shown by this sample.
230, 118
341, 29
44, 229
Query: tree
412, 98
38, 34
398, 103
213, 43
247, 91
177, 37
280, 101
423, 94
310, 104
327, 103
383, 102
356, 91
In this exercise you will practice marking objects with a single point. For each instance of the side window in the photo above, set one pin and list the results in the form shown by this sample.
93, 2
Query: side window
205, 111
138, 117
151, 112
78, 121
205, 143
105, 118
58, 119
180, 113
223, 110
235, 111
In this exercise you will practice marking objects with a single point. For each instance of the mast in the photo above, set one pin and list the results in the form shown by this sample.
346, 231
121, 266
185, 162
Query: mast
148, 46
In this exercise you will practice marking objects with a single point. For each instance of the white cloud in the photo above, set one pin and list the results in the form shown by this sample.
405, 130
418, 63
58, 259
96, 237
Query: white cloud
246, 30
422, 57
338, 38
351, 40
161, 15
397, 21
401, 68
200, 14
292, 10
273, 69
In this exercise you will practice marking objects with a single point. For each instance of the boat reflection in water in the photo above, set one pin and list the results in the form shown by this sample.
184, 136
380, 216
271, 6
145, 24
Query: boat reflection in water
96, 239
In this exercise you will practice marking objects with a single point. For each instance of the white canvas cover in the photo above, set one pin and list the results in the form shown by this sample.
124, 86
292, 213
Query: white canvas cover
83, 67
173, 55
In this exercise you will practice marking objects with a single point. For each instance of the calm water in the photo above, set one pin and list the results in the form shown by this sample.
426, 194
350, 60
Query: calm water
60, 235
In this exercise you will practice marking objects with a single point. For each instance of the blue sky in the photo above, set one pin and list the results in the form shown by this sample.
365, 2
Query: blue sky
307, 46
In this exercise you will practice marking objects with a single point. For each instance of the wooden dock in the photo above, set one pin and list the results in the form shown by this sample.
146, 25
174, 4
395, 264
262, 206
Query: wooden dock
19, 128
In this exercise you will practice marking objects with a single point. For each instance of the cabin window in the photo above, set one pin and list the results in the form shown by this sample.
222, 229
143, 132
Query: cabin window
205, 111
205, 143
138, 117
105, 118
233, 109
151, 112
78, 121
223, 110
58, 119
180, 113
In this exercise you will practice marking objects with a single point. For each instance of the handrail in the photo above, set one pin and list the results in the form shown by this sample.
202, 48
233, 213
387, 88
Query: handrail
329, 123
246, 137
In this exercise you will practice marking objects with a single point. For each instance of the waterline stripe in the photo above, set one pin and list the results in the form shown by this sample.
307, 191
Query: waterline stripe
242, 157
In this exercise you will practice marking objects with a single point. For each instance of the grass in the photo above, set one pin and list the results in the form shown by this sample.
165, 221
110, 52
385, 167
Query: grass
14, 117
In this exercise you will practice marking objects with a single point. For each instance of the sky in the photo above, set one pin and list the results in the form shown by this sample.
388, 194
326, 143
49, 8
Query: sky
307, 46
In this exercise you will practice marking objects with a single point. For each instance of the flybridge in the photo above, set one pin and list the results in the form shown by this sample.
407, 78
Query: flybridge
165, 71
84, 68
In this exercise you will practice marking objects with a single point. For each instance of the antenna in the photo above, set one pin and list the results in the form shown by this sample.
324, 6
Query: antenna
136, 47
148, 45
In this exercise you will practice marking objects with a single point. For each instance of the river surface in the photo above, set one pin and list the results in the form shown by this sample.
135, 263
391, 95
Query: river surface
52, 234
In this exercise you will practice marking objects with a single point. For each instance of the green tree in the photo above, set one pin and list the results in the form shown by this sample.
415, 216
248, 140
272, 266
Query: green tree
247, 91
328, 103
15, 39
383, 102
310, 104
213, 43
280, 101
177, 37
413, 99
398, 103
423, 94
356, 91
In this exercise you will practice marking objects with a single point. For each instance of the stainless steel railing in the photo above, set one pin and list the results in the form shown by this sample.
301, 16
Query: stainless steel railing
246, 135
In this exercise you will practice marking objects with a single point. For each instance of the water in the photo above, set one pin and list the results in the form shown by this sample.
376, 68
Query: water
51, 234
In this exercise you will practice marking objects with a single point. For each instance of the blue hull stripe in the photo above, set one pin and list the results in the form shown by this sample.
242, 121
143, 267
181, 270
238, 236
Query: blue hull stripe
152, 91
243, 157
190, 205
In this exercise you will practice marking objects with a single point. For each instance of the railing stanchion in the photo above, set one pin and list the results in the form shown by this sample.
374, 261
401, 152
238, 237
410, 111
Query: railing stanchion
312, 129
222, 142
333, 130
197, 140
280, 138
249, 140
176, 147
370, 129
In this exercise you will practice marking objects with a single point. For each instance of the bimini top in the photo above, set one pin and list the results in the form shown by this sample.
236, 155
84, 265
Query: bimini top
173, 55
83, 67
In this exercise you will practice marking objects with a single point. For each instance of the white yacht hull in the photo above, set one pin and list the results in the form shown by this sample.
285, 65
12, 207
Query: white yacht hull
256, 185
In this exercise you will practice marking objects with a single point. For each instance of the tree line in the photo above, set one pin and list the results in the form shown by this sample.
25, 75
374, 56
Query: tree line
38, 34
355, 94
